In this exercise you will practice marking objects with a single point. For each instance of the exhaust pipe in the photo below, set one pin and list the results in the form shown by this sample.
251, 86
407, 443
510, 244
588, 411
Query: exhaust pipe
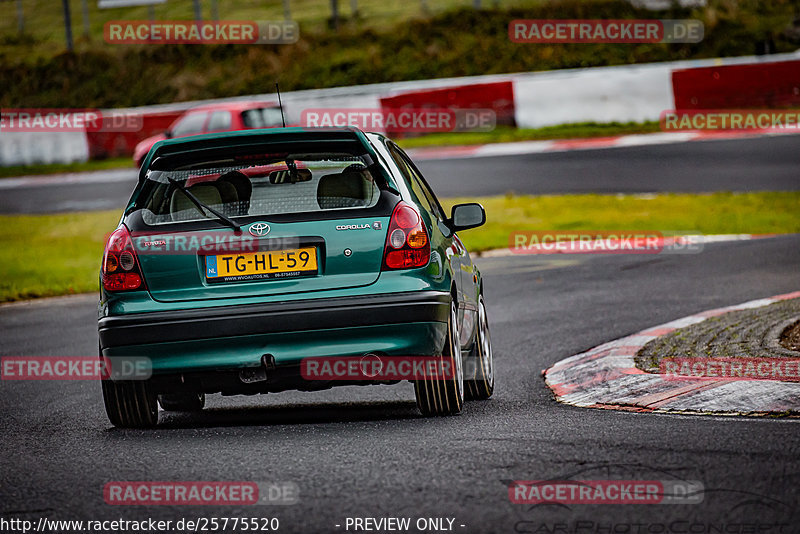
252, 375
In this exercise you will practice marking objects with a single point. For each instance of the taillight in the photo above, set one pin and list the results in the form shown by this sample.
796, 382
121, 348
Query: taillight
407, 242
120, 270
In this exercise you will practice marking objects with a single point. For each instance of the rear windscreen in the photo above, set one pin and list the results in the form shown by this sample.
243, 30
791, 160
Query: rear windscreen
294, 183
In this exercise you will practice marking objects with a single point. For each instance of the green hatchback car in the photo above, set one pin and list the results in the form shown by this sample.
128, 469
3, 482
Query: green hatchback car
289, 259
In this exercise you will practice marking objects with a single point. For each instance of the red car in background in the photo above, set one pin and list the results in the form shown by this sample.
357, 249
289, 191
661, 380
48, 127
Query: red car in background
221, 117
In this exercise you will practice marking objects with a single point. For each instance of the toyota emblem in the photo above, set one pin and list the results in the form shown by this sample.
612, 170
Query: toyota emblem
259, 229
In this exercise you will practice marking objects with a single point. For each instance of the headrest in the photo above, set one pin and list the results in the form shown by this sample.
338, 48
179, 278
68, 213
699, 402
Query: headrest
348, 189
244, 188
207, 193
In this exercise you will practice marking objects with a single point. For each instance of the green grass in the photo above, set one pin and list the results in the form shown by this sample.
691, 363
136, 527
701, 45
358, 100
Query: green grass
47, 255
713, 213
507, 134
54, 168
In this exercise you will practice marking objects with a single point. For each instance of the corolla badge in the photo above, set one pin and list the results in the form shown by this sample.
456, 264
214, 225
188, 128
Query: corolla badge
259, 229
376, 225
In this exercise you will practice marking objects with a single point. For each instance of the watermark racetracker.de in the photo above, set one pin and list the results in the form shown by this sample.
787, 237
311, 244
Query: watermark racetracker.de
200, 493
603, 242
402, 120
744, 368
75, 368
729, 119
68, 120
605, 31
200, 32
606, 491
373, 367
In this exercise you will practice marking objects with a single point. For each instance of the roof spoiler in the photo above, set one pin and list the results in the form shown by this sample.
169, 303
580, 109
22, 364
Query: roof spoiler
247, 139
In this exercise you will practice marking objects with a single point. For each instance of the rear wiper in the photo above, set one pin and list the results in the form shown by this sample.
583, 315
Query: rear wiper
202, 207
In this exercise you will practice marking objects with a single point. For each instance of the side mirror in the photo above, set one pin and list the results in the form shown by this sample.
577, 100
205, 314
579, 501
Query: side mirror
465, 216
168, 134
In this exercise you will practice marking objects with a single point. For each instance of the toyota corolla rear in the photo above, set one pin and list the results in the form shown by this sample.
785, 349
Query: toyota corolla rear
241, 254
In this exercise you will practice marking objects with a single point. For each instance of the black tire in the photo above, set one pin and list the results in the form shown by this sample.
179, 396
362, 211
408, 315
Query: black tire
481, 386
182, 402
446, 396
130, 403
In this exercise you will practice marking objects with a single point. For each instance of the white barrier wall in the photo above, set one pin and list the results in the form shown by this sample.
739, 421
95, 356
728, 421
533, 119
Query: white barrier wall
612, 94
28, 148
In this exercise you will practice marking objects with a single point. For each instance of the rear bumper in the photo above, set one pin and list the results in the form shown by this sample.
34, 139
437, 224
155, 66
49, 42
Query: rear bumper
237, 336
295, 316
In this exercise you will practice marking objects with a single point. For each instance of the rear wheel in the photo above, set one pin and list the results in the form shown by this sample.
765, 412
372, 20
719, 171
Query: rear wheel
445, 396
481, 386
182, 402
130, 403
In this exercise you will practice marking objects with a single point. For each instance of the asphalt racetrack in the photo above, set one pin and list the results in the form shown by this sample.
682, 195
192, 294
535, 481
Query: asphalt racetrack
366, 452
755, 164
